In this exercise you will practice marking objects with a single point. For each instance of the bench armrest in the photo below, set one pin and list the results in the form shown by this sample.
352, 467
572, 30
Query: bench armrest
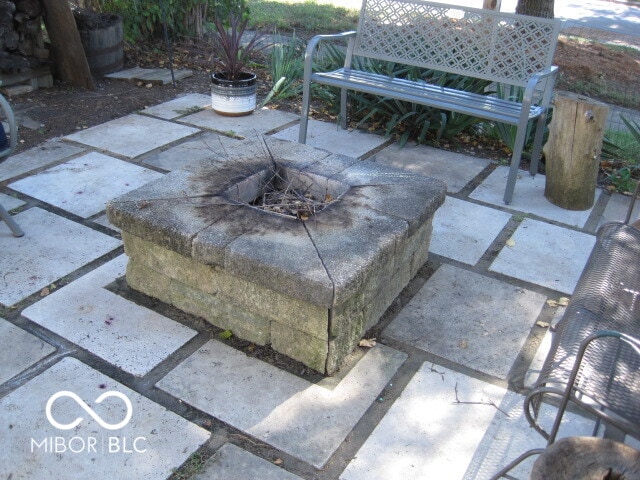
548, 75
313, 44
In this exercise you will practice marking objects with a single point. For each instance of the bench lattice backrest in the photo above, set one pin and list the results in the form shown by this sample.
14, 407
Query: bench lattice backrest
500, 47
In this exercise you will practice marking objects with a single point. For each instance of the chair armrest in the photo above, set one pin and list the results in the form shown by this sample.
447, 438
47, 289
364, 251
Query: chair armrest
313, 44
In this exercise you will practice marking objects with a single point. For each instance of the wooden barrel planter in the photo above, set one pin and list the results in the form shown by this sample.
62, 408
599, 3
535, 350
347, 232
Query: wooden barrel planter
102, 40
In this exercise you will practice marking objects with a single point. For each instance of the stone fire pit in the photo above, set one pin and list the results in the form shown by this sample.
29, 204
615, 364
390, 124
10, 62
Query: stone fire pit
310, 286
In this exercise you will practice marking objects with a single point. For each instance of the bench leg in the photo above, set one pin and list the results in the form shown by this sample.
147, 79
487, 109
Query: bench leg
515, 162
536, 153
304, 115
343, 108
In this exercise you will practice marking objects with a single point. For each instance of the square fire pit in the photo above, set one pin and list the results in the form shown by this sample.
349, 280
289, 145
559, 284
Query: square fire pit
308, 272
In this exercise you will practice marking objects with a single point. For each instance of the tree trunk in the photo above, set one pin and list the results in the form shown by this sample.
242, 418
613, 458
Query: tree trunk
573, 151
70, 59
535, 8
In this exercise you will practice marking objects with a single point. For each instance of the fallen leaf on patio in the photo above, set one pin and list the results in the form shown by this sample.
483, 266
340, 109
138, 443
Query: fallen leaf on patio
543, 324
226, 335
511, 243
44, 292
278, 461
367, 342
561, 302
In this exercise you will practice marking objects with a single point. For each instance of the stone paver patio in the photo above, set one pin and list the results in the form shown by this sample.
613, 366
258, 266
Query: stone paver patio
99, 383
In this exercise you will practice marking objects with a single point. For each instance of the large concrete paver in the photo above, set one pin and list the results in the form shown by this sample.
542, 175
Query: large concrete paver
528, 197
259, 122
333, 138
45, 253
448, 425
545, 254
35, 158
463, 231
149, 445
179, 107
233, 463
306, 420
132, 135
84, 184
186, 153
470, 319
129, 336
19, 350
454, 169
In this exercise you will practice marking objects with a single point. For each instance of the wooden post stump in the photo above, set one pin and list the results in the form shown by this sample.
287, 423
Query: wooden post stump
573, 151
587, 458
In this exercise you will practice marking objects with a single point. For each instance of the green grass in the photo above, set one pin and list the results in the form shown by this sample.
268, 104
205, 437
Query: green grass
289, 15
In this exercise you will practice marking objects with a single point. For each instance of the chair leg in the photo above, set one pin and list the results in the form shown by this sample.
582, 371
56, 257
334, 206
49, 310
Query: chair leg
17, 232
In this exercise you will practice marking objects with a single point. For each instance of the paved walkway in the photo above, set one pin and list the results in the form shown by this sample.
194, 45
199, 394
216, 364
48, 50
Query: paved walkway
94, 385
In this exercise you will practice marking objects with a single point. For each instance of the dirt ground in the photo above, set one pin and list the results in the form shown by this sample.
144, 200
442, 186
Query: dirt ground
63, 109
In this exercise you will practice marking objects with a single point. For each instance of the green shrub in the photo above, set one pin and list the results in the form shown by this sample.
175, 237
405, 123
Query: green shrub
143, 19
287, 62
622, 149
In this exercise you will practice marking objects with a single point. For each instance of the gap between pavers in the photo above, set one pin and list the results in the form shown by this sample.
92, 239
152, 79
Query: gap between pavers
528, 197
45, 254
149, 445
308, 421
463, 230
233, 463
133, 135
454, 169
546, 255
124, 334
84, 184
19, 350
448, 425
9, 202
331, 137
469, 319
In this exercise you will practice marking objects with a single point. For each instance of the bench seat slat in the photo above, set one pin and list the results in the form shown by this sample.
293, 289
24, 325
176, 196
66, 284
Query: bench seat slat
482, 106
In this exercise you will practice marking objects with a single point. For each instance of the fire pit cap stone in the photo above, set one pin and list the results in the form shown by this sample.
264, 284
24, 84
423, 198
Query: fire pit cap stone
322, 259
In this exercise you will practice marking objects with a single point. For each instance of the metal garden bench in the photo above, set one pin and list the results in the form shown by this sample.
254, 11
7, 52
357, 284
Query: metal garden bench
511, 50
594, 360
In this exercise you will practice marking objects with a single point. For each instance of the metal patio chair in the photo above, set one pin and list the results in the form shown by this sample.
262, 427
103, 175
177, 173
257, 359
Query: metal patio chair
6, 150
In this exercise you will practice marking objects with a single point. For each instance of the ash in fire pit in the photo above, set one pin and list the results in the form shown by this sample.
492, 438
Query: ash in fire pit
200, 239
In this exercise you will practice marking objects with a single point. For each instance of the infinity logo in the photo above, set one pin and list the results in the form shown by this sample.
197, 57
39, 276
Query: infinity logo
89, 410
